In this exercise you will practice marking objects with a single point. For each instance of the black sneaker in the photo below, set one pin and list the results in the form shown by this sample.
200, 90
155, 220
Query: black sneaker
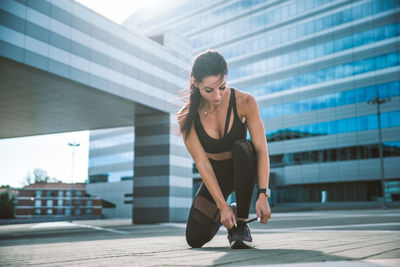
239, 237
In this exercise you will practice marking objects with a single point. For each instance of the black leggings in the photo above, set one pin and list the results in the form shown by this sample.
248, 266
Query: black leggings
236, 174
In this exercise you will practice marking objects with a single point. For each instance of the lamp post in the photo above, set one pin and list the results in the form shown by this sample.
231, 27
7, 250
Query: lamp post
73, 145
379, 101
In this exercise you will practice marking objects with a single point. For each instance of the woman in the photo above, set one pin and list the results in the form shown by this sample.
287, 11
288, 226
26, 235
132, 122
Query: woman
213, 124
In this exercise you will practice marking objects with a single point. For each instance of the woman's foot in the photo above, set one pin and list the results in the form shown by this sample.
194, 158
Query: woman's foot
240, 237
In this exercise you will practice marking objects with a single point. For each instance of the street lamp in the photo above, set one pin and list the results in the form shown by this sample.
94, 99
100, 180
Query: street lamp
378, 101
73, 145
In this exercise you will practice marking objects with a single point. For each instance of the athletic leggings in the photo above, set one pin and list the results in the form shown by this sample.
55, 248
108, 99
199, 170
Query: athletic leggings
236, 174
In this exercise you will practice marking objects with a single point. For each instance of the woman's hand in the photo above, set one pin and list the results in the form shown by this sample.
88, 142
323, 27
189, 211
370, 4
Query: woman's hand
228, 218
262, 208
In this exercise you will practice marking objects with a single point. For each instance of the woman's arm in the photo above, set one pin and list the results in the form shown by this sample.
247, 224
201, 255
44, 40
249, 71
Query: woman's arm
207, 174
257, 133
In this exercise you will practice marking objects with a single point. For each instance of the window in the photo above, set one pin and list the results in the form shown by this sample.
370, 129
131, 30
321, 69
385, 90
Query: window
343, 153
373, 151
394, 118
38, 193
49, 203
362, 123
394, 89
380, 62
372, 122
38, 203
49, 211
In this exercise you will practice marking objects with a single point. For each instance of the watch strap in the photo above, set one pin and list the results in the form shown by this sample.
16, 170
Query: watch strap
265, 191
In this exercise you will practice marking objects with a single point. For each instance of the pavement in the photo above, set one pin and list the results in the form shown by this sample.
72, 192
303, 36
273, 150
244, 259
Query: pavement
320, 238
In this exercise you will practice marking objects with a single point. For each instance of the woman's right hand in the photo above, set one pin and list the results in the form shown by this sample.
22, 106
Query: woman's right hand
228, 218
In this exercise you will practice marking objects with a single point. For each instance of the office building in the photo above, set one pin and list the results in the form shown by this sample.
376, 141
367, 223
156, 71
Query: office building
54, 200
314, 66
66, 68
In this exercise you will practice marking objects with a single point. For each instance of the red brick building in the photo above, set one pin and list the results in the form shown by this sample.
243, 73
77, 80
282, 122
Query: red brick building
54, 199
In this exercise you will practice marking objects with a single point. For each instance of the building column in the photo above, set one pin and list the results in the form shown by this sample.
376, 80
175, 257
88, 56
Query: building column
162, 190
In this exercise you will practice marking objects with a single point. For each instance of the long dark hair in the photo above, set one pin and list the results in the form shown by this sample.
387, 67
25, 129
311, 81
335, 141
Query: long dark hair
207, 63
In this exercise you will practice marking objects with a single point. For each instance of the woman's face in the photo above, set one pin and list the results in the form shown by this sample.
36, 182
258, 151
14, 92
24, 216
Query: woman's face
212, 88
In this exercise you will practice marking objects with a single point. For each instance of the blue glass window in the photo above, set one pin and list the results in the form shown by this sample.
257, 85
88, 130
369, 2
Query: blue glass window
337, 18
361, 96
350, 97
341, 124
332, 100
323, 128
347, 15
385, 122
339, 71
369, 64
377, 6
358, 67
358, 39
371, 92
357, 12
362, 123
394, 118
332, 127
391, 59
351, 124
390, 31
338, 44
328, 48
329, 74
379, 33
369, 36
383, 90
394, 89
372, 122
380, 62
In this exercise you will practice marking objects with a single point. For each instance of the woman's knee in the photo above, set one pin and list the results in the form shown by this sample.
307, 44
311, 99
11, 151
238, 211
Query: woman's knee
199, 228
243, 153
196, 237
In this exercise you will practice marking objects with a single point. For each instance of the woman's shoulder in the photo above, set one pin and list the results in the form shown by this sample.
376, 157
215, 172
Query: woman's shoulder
243, 99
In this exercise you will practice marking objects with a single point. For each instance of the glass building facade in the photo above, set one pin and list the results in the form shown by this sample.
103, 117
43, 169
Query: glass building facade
111, 154
314, 66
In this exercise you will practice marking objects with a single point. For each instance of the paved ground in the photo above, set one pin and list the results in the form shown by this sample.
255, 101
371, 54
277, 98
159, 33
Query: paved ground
328, 238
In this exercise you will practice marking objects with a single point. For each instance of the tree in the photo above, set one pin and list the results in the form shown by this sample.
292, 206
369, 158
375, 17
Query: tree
7, 205
38, 176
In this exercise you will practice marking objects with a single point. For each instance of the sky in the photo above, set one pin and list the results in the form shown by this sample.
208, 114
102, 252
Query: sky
116, 10
19, 156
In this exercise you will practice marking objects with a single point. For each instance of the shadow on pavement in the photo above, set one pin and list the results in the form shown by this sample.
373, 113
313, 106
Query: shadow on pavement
251, 257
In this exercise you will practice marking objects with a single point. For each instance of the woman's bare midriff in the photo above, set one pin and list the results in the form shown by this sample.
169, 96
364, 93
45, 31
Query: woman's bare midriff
220, 156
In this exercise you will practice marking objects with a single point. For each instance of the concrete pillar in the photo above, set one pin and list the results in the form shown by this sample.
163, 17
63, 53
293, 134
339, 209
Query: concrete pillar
163, 171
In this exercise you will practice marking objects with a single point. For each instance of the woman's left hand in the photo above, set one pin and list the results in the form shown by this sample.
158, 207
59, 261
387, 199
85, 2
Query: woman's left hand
262, 208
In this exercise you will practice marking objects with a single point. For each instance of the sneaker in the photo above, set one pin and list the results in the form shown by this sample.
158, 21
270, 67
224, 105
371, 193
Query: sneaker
239, 237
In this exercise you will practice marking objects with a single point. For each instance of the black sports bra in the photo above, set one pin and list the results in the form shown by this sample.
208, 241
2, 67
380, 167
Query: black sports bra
238, 131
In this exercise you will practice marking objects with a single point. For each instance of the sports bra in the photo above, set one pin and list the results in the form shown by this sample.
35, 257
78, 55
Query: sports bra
224, 144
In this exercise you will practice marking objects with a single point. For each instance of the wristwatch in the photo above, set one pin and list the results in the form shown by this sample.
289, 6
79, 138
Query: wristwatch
265, 191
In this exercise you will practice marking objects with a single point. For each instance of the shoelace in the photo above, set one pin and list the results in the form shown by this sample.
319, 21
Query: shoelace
251, 220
